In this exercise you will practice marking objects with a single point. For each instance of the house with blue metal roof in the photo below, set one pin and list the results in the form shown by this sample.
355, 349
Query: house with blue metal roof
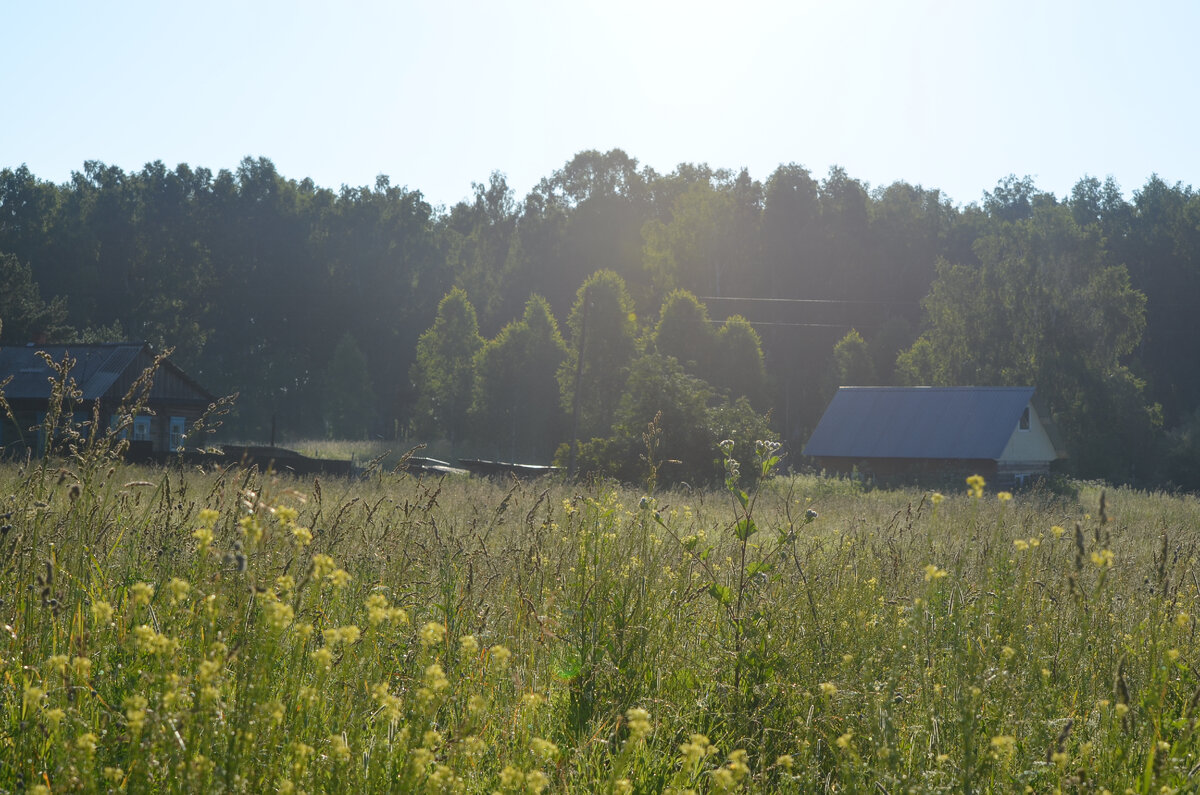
103, 375
915, 432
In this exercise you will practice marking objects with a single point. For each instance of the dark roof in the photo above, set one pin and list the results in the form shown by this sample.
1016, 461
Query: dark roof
97, 368
919, 422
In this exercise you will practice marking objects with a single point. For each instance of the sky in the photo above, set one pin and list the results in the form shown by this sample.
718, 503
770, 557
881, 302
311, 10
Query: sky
948, 94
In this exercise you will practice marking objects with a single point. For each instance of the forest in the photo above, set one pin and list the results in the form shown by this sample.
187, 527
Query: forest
724, 305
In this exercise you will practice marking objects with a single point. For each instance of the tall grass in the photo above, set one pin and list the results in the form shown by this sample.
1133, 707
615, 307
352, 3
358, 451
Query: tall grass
180, 630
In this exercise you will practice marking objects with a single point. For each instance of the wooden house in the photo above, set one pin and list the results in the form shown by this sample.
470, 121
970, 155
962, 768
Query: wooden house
104, 374
910, 433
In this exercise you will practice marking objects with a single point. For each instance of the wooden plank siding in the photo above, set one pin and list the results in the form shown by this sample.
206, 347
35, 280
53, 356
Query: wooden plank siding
104, 373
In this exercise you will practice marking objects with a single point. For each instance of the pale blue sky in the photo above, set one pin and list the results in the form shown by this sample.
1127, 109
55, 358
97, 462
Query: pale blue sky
437, 95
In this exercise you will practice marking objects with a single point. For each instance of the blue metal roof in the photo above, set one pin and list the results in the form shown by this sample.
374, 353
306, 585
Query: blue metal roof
96, 368
919, 422
101, 371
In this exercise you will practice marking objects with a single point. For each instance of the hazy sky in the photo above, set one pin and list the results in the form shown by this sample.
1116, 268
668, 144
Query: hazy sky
953, 94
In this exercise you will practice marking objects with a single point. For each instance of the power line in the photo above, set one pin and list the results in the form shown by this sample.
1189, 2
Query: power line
801, 325
805, 300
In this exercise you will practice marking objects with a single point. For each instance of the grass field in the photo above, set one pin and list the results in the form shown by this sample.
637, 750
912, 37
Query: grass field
192, 631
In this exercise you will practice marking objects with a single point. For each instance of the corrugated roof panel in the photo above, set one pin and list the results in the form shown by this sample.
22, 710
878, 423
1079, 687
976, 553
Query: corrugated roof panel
96, 368
919, 422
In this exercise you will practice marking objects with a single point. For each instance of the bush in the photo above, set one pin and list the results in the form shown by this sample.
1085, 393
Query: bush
667, 428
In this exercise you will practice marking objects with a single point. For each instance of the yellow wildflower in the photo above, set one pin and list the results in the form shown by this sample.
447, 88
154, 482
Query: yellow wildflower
279, 614
1003, 744
444, 779
543, 748
342, 635
473, 746
639, 723
500, 654
32, 698
323, 657
209, 670
339, 749
135, 711
151, 642
738, 764
722, 779
177, 590
204, 536
975, 485
696, 748
432, 634
511, 778
251, 528
141, 592
435, 678
322, 565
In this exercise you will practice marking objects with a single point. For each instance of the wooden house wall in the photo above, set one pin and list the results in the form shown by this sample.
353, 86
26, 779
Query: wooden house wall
950, 472
168, 386
910, 468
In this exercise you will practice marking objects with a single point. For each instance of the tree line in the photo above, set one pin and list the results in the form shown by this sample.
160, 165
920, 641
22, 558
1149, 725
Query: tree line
322, 307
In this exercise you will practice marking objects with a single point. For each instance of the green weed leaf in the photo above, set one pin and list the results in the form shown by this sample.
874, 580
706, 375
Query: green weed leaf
745, 528
721, 593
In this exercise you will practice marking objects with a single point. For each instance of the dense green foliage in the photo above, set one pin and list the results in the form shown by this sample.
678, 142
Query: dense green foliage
191, 631
516, 406
445, 368
256, 279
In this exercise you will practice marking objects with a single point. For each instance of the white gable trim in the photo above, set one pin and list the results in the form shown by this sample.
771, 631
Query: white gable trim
1031, 445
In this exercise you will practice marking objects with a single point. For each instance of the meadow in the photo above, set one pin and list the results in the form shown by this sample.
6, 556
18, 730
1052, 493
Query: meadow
210, 631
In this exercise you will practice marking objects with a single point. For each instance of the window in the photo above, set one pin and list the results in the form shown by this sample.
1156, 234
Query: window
1024, 423
141, 429
177, 425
